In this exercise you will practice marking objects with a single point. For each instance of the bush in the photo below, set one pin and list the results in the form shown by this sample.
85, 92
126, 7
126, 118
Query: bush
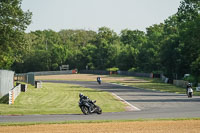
54, 66
113, 69
132, 69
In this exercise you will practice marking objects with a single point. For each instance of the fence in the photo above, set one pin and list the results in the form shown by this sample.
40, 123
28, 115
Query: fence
30, 77
21, 77
6, 81
26, 77
14, 93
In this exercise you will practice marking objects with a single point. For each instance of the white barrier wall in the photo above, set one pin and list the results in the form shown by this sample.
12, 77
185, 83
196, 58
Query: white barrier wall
14, 93
6, 82
180, 83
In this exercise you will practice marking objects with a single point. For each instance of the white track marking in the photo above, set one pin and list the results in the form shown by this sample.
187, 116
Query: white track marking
132, 107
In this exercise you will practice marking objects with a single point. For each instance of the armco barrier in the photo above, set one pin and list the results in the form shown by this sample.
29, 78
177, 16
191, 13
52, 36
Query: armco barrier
135, 74
53, 72
102, 72
14, 93
99, 72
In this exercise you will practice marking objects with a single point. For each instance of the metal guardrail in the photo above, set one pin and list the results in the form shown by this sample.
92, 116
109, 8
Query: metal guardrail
103, 72
53, 72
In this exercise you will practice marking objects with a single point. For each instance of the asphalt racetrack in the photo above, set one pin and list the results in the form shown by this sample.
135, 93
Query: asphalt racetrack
144, 104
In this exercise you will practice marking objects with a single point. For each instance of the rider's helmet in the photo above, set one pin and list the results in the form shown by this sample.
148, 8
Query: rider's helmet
80, 95
189, 85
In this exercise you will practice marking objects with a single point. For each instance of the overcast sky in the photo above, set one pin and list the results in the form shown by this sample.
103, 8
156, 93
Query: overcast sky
93, 14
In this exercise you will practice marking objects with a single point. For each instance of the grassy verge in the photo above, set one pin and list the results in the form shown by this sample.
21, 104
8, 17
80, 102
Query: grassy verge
94, 121
157, 85
58, 99
139, 82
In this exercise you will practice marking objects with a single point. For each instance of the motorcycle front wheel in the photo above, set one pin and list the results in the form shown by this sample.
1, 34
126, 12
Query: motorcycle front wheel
190, 95
99, 110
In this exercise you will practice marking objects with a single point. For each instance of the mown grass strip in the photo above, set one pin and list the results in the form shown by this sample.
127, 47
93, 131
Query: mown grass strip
58, 99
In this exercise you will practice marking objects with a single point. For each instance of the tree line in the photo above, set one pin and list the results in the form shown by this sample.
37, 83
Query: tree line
171, 47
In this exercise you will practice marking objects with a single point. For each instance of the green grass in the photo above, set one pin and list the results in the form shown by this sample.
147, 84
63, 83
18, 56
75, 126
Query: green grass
58, 99
158, 85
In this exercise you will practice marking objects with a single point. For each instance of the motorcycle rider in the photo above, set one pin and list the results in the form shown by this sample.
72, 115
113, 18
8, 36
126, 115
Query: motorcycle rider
99, 80
86, 99
82, 97
188, 86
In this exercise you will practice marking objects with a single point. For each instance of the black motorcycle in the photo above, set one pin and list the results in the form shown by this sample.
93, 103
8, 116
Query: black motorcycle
190, 92
89, 107
99, 80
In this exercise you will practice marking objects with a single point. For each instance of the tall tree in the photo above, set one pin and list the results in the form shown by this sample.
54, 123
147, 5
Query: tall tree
149, 56
13, 22
106, 50
132, 43
170, 48
189, 24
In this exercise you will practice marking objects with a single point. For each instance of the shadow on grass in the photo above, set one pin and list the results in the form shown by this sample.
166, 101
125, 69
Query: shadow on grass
4, 99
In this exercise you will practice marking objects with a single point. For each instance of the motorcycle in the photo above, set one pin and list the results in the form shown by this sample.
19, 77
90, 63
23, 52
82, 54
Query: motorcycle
89, 107
190, 92
99, 80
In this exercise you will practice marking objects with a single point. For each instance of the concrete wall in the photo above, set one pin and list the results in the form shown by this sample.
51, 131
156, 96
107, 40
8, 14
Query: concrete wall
6, 81
180, 83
